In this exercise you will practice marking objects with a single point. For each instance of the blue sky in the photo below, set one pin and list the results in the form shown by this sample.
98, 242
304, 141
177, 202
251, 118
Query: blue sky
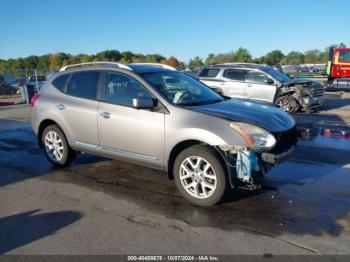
183, 28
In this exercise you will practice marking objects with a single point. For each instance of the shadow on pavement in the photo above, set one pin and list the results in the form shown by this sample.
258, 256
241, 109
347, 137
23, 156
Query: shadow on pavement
21, 229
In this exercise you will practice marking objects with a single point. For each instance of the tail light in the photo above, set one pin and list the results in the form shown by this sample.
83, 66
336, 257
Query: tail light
34, 99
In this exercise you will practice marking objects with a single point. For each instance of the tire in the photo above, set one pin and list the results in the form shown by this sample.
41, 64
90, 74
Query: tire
287, 104
208, 187
54, 137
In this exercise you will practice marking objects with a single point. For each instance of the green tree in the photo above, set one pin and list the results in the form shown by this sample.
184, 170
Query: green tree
155, 58
242, 55
210, 59
295, 58
84, 58
273, 58
127, 57
195, 63
313, 56
111, 55
44, 62
138, 58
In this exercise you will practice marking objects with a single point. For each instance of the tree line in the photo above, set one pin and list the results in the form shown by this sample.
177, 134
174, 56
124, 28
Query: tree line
52, 62
274, 57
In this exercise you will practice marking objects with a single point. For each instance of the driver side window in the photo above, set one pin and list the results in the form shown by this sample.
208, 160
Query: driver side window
121, 89
256, 77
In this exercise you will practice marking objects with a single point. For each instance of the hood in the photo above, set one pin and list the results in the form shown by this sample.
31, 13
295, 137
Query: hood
298, 81
268, 117
306, 82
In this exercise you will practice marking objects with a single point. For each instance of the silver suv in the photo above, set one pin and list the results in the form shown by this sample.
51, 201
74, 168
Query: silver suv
156, 116
263, 83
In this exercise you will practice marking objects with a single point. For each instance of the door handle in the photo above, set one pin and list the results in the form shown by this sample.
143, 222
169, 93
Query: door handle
60, 106
249, 85
105, 115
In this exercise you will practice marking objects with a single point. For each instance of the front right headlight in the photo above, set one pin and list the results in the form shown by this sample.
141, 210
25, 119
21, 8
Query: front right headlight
258, 138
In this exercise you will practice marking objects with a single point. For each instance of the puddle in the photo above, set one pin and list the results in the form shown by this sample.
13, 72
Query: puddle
330, 137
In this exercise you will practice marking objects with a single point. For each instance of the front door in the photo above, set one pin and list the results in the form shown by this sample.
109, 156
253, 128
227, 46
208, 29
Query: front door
258, 86
126, 132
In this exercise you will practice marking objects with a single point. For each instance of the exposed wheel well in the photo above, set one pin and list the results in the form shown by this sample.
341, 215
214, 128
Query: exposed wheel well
43, 125
182, 146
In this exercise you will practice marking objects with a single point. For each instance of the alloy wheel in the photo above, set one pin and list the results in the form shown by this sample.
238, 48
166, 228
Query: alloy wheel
198, 177
54, 146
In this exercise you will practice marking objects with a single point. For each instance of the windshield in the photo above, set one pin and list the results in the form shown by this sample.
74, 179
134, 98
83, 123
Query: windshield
278, 75
180, 89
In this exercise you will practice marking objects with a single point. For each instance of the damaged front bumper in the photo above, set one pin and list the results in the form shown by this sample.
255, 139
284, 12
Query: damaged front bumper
310, 102
246, 167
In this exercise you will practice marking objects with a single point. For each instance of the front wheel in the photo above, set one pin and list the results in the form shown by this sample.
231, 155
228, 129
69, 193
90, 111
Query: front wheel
56, 148
200, 176
287, 104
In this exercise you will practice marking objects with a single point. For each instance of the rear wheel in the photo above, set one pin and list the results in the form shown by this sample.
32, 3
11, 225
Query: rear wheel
56, 148
200, 176
287, 104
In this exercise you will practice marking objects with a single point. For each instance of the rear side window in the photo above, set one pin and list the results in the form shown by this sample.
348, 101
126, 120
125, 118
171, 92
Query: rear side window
235, 74
209, 72
344, 56
84, 85
60, 82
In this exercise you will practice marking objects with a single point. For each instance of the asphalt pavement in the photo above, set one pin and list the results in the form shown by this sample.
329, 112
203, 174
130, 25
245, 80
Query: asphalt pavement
102, 206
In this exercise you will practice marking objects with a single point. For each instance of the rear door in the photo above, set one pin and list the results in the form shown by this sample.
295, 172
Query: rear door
126, 132
78, 108
234, 84
257, 86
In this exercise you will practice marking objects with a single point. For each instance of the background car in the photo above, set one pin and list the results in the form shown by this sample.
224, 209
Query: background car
263, 83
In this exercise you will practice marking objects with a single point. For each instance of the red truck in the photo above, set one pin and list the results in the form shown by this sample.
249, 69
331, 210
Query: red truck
338, 66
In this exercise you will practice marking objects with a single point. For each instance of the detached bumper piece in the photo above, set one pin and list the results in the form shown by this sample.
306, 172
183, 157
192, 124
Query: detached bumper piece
276, 158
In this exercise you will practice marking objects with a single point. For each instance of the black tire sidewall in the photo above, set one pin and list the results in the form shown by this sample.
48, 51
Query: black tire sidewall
213, 158
65, 159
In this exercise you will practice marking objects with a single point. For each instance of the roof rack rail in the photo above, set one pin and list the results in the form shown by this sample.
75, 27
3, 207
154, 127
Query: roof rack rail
236, 63
95, 63
156, 64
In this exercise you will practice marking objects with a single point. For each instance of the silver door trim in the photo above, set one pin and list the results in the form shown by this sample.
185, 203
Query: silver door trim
81, 143
128, 153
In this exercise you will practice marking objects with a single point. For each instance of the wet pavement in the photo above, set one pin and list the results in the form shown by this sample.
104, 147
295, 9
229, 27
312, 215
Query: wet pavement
104, 206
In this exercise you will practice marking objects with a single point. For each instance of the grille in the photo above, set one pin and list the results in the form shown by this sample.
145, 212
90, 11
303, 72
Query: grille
284, 140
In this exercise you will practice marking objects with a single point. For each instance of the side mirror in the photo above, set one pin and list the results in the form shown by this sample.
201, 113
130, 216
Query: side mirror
269, 81
144, 103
